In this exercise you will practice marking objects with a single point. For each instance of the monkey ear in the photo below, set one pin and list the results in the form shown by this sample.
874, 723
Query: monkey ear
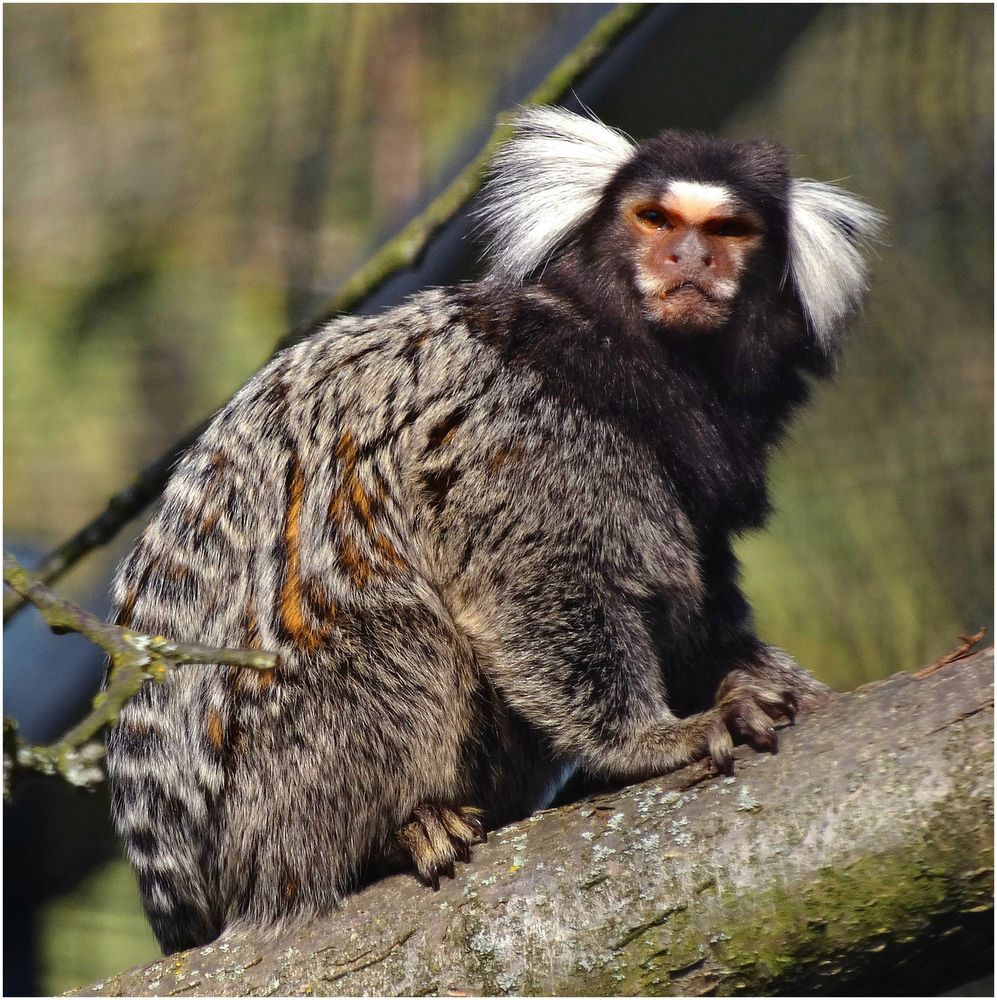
545, 181
829, 230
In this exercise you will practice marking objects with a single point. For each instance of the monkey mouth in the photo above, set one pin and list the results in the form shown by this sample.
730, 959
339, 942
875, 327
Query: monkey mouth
688, 307
683, 288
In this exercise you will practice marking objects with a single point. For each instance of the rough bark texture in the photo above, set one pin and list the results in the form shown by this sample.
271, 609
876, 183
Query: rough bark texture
859, 859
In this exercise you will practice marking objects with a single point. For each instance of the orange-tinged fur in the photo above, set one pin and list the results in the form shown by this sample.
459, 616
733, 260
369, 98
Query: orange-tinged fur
215, 732
292, 610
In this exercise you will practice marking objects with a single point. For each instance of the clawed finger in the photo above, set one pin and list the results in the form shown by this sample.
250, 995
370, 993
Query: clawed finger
755, 727
721, 749
474, 818
438, 836
778, 705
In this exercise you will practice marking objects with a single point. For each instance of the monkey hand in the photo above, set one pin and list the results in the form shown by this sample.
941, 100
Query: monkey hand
436, 836
771, 666
743, 713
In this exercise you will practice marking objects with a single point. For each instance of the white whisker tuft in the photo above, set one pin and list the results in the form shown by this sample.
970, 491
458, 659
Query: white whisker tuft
828, 230
545, 182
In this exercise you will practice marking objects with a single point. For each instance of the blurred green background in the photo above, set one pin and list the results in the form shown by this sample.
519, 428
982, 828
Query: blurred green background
184, 183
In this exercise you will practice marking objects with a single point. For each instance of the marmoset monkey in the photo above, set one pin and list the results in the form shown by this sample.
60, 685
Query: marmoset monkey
487, 532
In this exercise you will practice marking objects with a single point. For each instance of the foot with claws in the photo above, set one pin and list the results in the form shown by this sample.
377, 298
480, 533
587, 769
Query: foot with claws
744, 713
437, 836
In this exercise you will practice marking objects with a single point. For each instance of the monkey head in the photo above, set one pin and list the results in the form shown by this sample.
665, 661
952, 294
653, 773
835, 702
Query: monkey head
689, 233
691, 245
699, 221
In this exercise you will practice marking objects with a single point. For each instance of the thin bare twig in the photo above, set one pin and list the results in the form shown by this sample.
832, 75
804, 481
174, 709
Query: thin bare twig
965, 647
134, 659
398, 253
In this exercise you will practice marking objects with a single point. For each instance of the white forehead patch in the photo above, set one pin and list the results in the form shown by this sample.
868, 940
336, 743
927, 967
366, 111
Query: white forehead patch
696, 202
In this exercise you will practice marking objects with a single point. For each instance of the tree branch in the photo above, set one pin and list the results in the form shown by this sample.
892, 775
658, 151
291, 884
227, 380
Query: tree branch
857, 860
134, 659
398, 253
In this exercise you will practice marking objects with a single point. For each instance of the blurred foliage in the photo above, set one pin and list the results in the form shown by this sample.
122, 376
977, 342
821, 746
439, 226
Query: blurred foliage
98, 929
185, 182
882, 548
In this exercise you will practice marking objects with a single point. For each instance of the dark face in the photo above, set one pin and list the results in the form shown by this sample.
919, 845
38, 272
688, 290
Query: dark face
691, 244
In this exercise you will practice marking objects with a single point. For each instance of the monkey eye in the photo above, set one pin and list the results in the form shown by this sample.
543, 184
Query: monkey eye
732, 227
652, 218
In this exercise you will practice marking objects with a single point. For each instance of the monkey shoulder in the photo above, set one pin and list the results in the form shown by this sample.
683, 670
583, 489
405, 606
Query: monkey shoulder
460, 404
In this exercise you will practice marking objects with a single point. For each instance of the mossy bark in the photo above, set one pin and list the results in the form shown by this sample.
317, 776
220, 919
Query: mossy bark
857, 860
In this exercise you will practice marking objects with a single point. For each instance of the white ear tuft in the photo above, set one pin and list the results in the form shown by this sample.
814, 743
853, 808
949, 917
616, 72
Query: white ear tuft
546, 180
828, 230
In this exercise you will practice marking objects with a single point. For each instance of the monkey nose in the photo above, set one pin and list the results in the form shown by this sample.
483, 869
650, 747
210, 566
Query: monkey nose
690, 260
690, 252
704, 258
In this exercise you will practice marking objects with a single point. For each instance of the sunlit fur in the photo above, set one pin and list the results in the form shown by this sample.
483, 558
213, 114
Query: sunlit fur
544, 182
828, 229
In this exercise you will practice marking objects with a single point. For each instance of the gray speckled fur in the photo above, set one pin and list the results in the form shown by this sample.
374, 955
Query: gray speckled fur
315, 771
